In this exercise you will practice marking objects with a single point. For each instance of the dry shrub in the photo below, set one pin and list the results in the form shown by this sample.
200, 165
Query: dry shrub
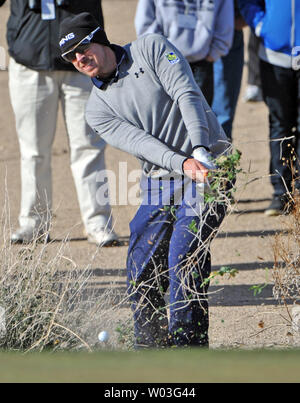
286, 251
50, 307
47, 302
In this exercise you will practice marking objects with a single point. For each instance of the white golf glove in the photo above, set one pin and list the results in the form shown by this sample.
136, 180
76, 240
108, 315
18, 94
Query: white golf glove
205, 157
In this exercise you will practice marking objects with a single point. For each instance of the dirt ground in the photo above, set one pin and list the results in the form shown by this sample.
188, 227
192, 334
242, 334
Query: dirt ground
237, 317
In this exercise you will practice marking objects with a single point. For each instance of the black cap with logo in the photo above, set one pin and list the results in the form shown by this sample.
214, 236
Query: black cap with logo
80, 28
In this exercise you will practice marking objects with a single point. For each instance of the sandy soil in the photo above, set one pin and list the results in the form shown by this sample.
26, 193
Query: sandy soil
237, 317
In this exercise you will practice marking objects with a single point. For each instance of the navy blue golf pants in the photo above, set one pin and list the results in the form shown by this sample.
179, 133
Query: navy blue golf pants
170, 250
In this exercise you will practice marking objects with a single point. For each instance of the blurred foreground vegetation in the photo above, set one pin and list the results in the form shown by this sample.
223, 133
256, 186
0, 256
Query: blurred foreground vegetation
183, 366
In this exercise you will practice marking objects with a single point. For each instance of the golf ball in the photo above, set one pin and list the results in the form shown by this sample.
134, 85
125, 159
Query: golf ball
103, 336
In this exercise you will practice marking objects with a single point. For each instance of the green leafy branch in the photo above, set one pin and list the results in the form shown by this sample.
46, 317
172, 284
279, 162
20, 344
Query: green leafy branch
220, 273
222, 180
257, 289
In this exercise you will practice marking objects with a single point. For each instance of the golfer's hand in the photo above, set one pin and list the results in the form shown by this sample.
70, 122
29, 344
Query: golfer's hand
195, 170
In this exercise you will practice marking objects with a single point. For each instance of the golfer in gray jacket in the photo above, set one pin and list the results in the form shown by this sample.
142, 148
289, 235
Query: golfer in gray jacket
145, 102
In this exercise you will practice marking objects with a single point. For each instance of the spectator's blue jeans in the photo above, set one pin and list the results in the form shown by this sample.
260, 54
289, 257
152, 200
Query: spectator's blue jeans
227, 83
171, 249
281, 93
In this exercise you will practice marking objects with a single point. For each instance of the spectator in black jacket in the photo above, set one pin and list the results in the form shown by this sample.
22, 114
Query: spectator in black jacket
38, 80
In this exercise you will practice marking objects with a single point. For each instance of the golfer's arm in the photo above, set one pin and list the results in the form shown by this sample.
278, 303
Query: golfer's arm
127, 137
178, 81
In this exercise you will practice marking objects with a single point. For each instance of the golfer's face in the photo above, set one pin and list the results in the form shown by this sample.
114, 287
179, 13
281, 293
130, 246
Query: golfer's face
93, 62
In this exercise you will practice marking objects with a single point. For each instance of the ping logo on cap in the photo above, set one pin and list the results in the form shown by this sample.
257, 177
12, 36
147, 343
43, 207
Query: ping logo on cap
66, 39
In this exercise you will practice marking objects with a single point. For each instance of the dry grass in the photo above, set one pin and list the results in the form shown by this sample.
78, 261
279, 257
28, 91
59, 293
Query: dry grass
286, 246
47, 302
286, 251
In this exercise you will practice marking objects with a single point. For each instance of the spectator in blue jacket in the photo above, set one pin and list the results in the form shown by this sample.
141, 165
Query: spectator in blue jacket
276, 24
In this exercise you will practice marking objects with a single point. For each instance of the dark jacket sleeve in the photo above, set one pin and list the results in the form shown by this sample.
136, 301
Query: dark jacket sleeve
33, 41
253, 11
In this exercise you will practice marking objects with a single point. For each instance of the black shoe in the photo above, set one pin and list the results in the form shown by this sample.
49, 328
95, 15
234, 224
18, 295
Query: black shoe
279, 205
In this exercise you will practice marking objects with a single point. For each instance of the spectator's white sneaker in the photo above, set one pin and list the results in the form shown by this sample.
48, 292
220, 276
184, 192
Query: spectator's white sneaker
27, 235
102, 237
253, 94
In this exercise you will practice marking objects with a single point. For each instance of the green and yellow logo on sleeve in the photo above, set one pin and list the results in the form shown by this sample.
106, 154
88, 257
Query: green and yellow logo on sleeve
172, 58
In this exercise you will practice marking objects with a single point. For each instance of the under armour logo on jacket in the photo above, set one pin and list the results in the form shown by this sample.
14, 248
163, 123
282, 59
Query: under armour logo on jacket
137, 74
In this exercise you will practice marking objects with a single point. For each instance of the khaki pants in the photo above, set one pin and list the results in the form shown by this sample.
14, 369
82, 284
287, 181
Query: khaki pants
35, 96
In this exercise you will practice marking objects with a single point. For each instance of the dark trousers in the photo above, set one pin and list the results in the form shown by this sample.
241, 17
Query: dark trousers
170, 249
253, 60
281, 92
203, 72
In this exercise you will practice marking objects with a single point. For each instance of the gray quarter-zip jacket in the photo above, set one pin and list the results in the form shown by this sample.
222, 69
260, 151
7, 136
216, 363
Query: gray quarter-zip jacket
155, 110
198, 28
